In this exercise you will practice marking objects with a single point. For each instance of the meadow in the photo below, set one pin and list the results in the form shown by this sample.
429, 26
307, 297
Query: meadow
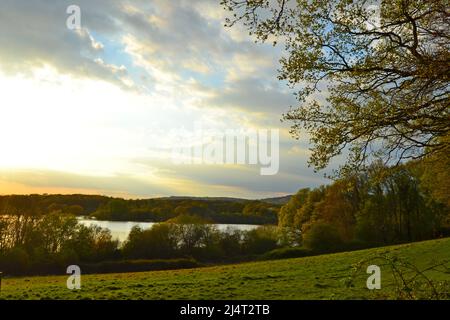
318, 277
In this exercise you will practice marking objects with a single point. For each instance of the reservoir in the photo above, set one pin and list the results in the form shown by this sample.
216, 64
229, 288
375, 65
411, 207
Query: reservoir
121, 229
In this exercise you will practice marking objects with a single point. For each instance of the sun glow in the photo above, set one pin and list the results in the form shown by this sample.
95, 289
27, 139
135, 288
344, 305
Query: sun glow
58, 122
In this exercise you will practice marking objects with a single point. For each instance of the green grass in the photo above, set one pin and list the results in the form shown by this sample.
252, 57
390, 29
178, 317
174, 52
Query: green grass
318, 277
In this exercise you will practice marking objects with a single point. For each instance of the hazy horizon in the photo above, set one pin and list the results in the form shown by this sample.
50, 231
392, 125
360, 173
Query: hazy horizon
142, 198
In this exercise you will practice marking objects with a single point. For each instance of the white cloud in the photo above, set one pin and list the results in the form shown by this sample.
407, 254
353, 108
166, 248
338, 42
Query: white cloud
89, 103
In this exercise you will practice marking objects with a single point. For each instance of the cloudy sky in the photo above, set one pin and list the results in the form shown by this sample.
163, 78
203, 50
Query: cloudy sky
100, 109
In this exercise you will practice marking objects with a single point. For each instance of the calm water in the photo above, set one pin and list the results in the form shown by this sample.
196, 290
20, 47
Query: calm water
121, 229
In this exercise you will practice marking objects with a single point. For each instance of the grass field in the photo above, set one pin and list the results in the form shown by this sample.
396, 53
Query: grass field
319, 277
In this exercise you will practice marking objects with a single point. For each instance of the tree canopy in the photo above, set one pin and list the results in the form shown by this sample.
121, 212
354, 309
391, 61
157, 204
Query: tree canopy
372, 76
381, 205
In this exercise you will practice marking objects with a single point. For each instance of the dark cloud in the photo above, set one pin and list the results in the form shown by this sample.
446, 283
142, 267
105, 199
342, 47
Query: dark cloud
293, 172
254, 95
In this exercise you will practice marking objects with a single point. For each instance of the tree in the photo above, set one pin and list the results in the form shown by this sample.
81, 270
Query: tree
435, 177
337, 210
434, 173
192, 231
53, 232
76, 210
322, 237
385, 71
260, 240
22, 213
160, 241
289, 210
118, 209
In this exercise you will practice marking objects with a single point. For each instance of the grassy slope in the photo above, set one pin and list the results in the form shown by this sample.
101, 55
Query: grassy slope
320, 277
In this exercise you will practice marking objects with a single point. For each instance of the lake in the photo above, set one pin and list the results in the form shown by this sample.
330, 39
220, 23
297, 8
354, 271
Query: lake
121, 229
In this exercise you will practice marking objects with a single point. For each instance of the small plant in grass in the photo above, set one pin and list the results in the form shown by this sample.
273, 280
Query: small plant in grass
410, 281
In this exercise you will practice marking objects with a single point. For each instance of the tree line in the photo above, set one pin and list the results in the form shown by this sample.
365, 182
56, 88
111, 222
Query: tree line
47, 244
216, 211
238, 211
378, 206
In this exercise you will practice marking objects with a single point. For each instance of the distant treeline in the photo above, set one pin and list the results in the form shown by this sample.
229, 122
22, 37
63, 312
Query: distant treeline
218, 211
237, 211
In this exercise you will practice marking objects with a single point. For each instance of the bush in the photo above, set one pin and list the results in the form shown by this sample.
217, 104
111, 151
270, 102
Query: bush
159, 242
66, 257
260, 240
322, 237
230, 243
15, 261
285, 253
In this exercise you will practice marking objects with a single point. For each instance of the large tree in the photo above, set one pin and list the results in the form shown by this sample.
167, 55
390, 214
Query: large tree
382, 67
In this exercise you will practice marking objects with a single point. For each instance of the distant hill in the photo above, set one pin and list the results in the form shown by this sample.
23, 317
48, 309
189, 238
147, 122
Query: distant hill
95, 200
204, 198
276, 200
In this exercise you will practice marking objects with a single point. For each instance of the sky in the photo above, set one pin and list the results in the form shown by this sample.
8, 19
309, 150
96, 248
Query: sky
100, 109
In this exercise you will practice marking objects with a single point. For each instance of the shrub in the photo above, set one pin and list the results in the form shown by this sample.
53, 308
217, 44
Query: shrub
159, 242
15, 261
260, 240
322, 237
230, 243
